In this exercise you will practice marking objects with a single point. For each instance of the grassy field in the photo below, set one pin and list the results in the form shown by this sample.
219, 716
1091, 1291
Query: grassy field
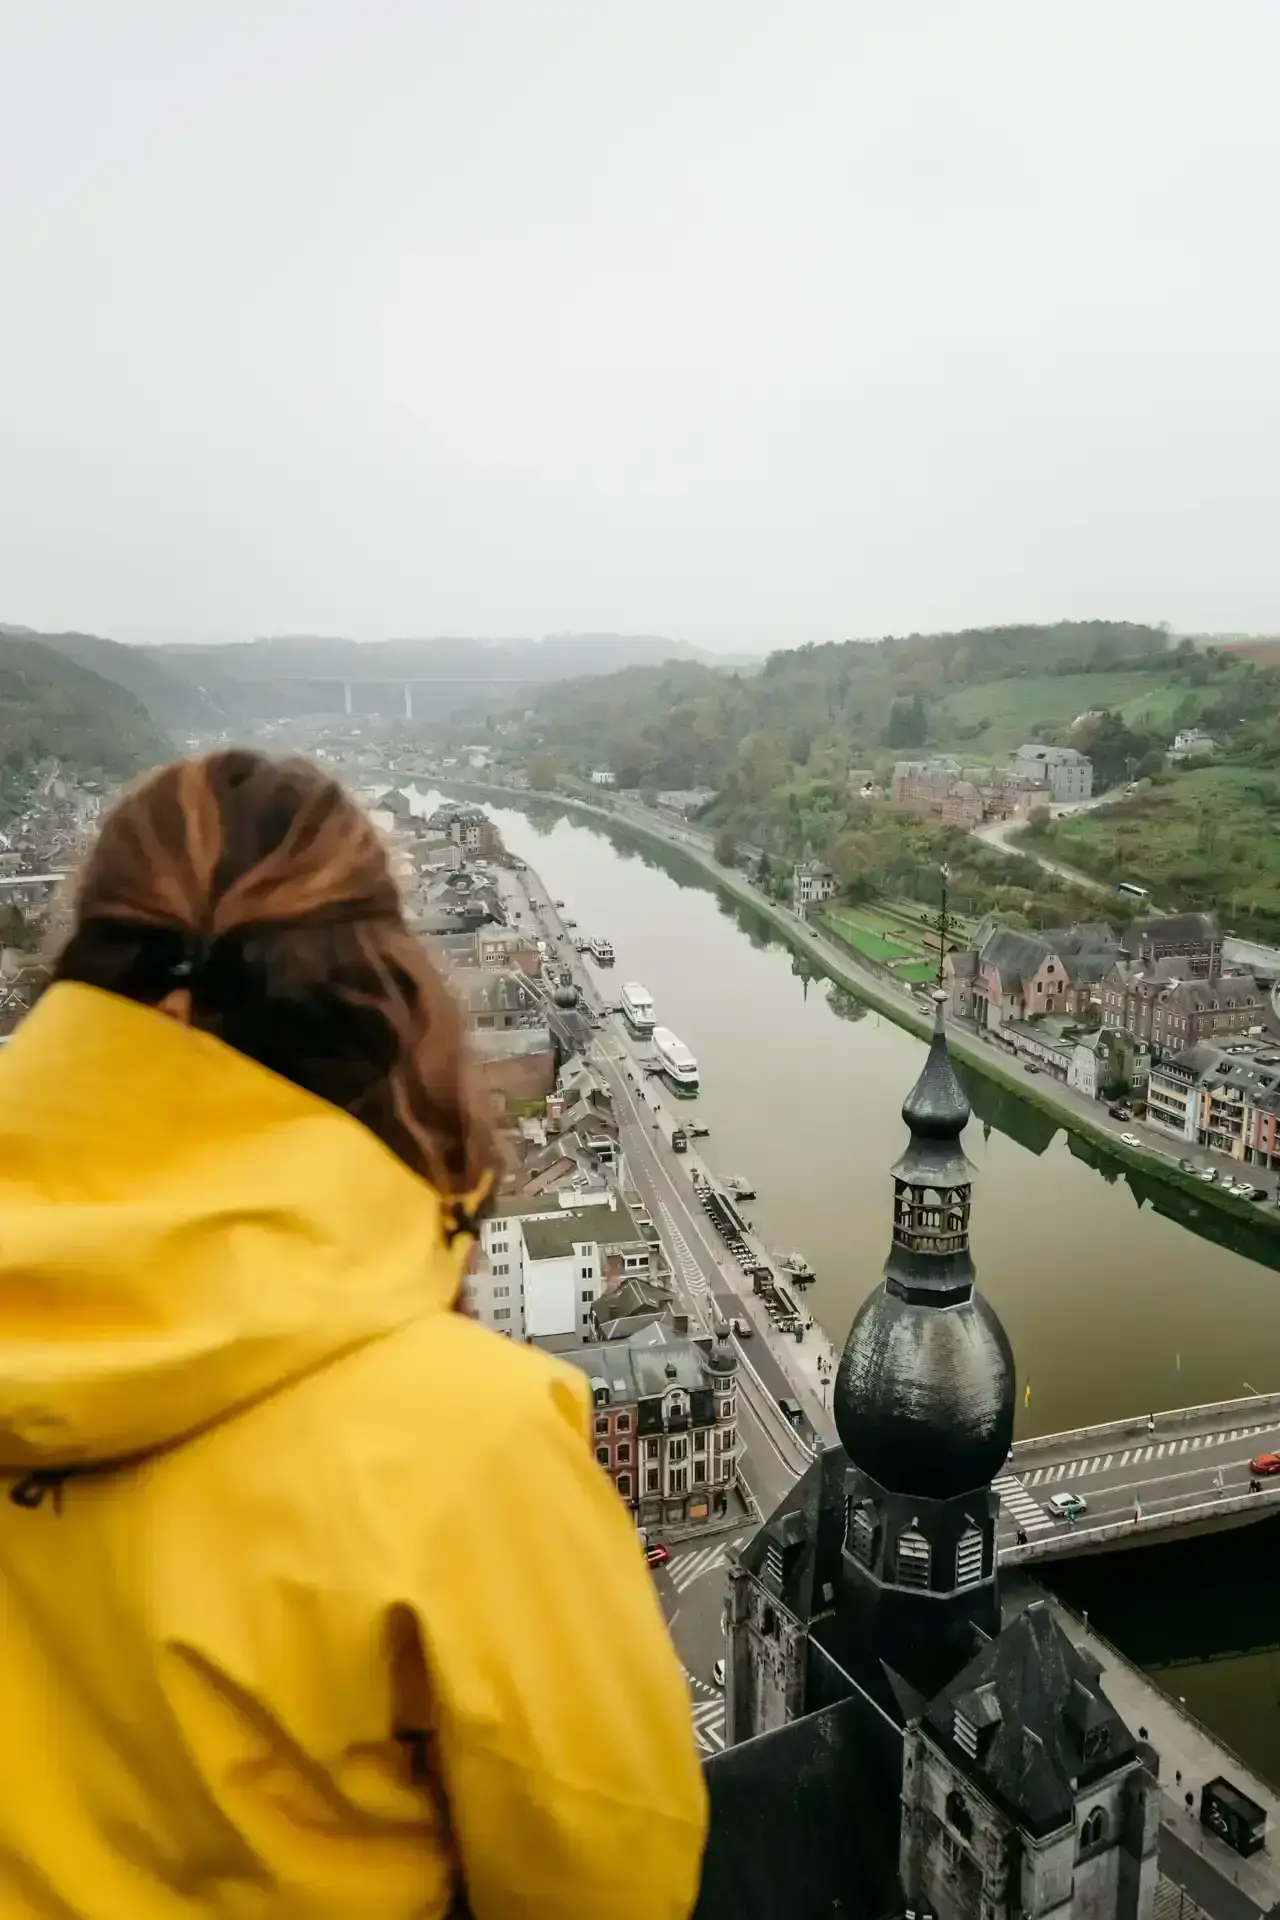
1210, 838
1014, 707
853, 925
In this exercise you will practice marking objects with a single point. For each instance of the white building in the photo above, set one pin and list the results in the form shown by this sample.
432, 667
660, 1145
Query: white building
1067, 774
811, 883
544, 1258
1192, 743
602, 777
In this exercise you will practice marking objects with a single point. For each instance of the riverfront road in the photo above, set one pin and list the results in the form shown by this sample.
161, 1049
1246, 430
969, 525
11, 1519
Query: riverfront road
1163, 1473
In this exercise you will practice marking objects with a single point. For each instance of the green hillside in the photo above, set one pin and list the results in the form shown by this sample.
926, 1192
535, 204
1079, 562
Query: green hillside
53, 708
158, 680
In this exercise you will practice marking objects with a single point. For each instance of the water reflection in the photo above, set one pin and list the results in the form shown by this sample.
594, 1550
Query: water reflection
1119, 1294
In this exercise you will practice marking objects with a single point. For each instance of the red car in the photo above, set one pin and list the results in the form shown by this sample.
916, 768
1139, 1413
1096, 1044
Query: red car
1265, 1463
658, 1556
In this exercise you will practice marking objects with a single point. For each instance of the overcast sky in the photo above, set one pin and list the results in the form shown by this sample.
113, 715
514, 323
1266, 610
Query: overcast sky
751, 321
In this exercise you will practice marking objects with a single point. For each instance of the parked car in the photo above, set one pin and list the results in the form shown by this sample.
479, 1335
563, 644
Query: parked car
657, 1555
1264, 1463
743, 1328
1130, 1140
1031, 1067
1208, 1174
717, 1673
1064, 1505
1189, 1166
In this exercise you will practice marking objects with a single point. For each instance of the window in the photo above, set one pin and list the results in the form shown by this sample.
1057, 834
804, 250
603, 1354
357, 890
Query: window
502, 1313
502, 1267
502, 1293
864, 1536
624, 1452
913, 1559
602, 1425
773, 1563
623, 1423
587, 1298
651, 1480
699, 1442
679, 1480
624, 1485
651, 1449
602, 1455
969, 1558
678, 1449
1094, 1830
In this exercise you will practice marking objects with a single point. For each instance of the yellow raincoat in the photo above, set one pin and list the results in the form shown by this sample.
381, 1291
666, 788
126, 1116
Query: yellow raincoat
333, 1597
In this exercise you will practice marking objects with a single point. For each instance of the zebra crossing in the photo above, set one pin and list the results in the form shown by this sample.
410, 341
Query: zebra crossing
690, 1272
1030, 1516
1137, 1456
708, 1724
685, 1568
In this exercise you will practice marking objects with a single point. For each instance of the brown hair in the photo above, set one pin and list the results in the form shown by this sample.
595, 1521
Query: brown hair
259, 888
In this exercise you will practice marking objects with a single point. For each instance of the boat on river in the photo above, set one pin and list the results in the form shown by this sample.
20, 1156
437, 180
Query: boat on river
675, 1063
740, 1189
637, 1008
601, 951
796, 1268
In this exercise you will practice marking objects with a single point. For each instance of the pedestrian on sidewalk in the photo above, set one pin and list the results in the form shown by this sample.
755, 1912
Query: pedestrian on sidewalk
306, 1646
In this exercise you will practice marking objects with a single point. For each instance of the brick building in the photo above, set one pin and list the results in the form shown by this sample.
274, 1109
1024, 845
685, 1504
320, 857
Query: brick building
666, 1411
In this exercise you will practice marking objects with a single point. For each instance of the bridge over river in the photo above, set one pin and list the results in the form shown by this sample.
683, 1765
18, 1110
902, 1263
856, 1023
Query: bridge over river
1165, 1474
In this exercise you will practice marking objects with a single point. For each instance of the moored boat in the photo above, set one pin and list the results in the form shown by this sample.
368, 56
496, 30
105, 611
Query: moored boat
675, 1062
637, 1007
601, 951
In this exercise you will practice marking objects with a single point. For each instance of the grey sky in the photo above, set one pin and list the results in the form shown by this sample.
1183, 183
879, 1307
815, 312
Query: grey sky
754, 321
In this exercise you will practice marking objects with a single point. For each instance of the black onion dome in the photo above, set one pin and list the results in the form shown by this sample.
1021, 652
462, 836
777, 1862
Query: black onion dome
566, 996
722, 1358
924, 1396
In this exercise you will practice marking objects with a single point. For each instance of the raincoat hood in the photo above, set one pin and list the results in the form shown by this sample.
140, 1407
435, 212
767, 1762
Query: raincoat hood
183, 1232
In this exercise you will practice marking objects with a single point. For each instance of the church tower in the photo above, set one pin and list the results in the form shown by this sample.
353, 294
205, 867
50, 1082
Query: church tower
924, 1408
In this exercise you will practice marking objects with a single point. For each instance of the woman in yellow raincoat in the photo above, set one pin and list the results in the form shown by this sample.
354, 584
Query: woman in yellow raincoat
313, 1601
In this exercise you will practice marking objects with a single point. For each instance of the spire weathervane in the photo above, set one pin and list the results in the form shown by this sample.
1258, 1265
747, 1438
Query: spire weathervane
942, 924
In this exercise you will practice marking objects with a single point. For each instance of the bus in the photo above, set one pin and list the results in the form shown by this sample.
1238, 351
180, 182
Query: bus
1132, 891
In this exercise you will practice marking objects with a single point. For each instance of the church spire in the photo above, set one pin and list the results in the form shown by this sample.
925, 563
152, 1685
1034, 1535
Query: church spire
929, 1256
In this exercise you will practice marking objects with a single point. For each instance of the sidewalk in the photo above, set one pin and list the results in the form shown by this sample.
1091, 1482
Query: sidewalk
1188, 1749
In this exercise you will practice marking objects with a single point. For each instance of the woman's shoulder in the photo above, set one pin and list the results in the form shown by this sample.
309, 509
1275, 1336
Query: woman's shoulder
462, 1365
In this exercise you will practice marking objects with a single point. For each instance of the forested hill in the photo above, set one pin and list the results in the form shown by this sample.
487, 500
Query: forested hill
53, 708
817, 710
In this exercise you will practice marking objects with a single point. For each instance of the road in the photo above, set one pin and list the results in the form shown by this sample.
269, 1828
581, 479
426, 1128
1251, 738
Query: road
996, 833
691, 1586
1154, 1468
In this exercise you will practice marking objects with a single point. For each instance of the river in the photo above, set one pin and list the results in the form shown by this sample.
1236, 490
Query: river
1112, 1307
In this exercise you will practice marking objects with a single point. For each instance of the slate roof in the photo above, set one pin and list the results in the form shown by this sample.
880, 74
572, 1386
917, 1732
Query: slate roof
808, 1525
1197, 996
804, 1824
1168, 929
643, 1367
1040, 1697
493, 991
551, 1239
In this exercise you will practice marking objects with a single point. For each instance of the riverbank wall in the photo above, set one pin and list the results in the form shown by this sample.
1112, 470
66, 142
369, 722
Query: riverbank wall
894, 1000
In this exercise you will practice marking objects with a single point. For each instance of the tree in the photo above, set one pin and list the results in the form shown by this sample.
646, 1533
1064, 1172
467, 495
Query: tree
726, 848
542, 773
908, 723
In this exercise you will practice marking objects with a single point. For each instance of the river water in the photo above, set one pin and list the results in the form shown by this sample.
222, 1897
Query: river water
1113, 1307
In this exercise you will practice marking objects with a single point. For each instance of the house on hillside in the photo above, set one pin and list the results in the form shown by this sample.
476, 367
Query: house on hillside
1067, 774
1008, 976
811, 884
603, 777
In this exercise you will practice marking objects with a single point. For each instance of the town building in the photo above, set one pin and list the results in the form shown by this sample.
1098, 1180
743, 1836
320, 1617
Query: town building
665, 1422
497, 1002
1223, 1096
1162, 1004
543, 1260
1192, 743
1193, 938
603, 777
869, 1663
1067, 774
467, 825
811, 884
517, 1065
1008, 975
508, 948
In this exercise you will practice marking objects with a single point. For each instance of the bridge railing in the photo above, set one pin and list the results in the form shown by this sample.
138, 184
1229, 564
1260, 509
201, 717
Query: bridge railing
1079, 1440
1079, 1539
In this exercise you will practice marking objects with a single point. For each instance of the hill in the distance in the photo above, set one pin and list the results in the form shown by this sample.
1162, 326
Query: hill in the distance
52, 707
